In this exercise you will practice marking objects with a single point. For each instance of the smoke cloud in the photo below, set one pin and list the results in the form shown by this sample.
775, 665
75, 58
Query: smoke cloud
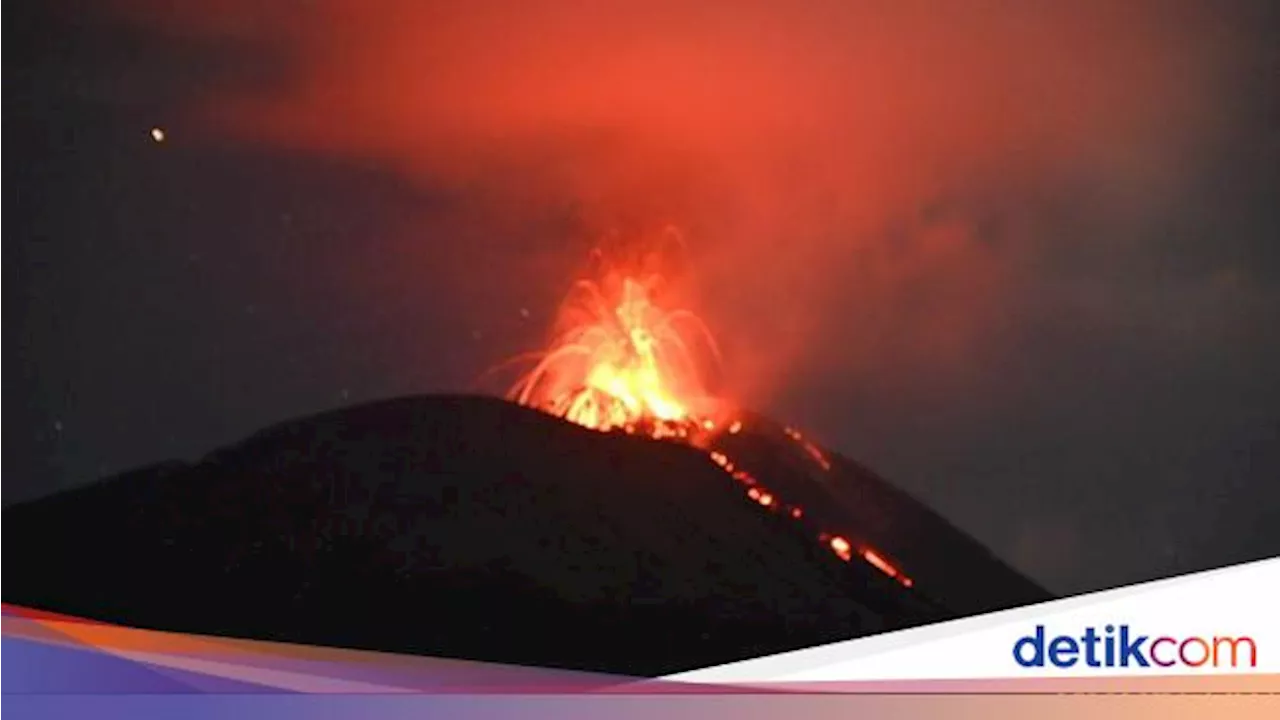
862, 186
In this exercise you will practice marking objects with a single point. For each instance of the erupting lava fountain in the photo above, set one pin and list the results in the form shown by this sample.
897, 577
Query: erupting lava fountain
618, 362
624, 363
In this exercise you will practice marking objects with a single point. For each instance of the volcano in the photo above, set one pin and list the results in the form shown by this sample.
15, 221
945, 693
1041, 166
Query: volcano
477, 528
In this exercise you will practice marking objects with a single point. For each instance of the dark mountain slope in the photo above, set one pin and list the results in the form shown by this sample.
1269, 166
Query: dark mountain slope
954, 570
465, 527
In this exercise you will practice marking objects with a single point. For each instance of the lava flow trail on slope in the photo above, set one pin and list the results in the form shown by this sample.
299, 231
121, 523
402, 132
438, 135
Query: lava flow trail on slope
618, 362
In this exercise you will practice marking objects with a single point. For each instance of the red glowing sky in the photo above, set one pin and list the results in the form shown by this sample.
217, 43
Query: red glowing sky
831, 161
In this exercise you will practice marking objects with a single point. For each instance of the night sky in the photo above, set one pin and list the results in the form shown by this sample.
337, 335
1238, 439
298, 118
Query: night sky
1023, 262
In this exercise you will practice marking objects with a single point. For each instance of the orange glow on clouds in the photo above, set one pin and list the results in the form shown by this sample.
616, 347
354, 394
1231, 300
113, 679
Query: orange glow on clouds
797, 137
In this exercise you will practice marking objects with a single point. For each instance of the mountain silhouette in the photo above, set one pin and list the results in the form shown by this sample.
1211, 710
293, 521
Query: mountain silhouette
470, 527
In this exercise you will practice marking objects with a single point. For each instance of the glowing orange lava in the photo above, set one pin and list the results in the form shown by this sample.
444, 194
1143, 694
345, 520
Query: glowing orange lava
809, 448
622, 363
841, 548
619, 362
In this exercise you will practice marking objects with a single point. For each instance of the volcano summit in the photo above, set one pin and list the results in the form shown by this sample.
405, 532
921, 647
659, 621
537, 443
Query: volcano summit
472, 527
611, 517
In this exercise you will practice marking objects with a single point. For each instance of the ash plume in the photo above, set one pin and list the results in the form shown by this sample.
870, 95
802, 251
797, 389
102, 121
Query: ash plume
849, 170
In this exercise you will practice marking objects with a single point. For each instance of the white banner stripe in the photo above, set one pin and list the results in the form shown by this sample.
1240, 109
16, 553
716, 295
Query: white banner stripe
1232, 602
